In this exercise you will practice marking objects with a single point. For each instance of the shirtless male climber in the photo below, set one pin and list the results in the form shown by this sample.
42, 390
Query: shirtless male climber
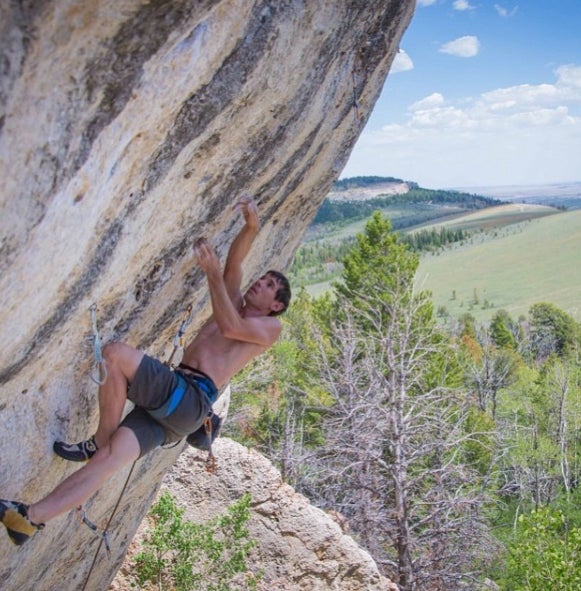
240, 328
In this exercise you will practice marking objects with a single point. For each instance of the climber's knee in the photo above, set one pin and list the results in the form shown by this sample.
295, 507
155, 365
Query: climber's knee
122, 449
123, 358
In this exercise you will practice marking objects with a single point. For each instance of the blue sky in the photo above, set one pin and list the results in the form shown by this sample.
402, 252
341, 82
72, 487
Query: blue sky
481, 94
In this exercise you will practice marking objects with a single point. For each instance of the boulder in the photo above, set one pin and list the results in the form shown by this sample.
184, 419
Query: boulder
299, 547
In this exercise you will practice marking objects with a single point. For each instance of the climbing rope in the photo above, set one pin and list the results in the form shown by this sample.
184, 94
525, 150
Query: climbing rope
99, 373
178, 341
104, 533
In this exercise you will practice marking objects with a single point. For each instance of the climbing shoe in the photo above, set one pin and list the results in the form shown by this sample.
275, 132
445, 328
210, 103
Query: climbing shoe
14, 516
75, 452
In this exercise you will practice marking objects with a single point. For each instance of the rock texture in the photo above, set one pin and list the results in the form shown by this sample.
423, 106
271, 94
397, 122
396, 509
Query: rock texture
127, 129
300, 547
365, 193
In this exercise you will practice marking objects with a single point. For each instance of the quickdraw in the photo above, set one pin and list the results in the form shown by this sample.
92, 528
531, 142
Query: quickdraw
99, 373
211, 459
178, 341
102, 533
355, 101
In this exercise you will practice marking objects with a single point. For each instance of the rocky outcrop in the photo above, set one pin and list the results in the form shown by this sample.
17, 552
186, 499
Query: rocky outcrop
299, 547
371, 192
127, 130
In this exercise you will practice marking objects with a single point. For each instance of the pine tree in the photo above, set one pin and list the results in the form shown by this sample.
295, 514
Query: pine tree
397, 435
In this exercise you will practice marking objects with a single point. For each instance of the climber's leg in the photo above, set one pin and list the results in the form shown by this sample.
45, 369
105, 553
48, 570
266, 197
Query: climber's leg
122, 449
122, 363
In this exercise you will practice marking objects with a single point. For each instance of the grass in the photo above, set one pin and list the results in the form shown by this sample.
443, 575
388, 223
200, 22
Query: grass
525, 254
538, 260
494, 217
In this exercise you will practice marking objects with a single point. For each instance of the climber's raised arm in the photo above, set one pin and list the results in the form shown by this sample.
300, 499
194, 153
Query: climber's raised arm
240, 246
252, 323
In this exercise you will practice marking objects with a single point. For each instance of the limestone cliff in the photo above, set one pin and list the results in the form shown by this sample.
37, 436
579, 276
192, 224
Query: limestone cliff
127, 129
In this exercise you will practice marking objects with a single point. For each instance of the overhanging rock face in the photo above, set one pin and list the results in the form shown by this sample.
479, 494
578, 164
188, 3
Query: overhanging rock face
127, 130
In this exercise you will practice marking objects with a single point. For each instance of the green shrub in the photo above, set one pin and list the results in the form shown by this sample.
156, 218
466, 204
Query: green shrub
182, 555
546, 554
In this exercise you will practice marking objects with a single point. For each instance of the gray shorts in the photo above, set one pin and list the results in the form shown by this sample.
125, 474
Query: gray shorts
152, 387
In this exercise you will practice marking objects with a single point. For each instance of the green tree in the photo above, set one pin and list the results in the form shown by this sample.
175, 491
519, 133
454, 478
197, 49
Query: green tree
492, 370
539, 419
552, 331
377, 262
502, 330
397, 434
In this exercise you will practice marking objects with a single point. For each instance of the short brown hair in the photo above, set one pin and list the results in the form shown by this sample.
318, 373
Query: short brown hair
283, 294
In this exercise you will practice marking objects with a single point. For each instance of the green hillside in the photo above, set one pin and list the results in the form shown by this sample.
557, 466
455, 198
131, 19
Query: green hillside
503, 255
538, 260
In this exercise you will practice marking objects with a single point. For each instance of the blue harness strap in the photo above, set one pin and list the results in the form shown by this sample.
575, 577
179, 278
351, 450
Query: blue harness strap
172, 402
206, 385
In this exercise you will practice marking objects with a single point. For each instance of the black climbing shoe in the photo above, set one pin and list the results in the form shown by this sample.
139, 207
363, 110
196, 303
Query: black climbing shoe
75, 452
14, 516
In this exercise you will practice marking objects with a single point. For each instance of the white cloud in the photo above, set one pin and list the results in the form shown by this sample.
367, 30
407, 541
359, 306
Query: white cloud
433, 100
504, 12
401, 63
523, 134
462, 5
467, 46
426, 2
569, 77
566, 89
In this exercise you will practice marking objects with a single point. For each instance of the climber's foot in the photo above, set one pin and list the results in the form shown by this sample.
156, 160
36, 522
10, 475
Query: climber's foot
14, 516
76, 452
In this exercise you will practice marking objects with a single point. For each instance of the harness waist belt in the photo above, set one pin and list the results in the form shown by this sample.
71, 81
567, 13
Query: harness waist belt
202, 381
205, 384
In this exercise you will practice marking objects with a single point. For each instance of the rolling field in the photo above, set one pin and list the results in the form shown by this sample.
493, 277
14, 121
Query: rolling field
524, 254
537, 260
494, 217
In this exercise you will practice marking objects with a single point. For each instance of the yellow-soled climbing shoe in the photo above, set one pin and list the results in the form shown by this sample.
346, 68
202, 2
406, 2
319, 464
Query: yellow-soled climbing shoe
14, 516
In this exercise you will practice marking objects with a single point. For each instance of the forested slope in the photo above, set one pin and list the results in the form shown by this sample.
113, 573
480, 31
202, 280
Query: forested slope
451, 450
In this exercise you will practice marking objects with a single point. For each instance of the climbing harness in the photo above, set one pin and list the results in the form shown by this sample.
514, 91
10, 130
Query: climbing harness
99, 373
104, 533
178, 341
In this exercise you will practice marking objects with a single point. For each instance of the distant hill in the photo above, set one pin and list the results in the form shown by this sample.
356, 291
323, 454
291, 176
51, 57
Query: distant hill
362, 188
511, 268
357, 182
563, 195
356, 198
486, 254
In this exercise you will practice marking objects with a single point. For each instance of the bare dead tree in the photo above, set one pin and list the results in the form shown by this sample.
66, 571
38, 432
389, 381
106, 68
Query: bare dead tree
394, 461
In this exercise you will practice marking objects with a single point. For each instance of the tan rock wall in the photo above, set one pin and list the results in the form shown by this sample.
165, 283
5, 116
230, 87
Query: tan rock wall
127, 129
299, 547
